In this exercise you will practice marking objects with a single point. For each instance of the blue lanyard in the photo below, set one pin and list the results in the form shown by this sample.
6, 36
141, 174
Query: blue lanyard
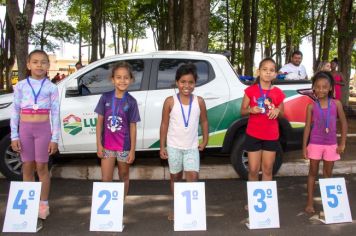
115, 110
186, 122
327, 115
35, 95
261, 91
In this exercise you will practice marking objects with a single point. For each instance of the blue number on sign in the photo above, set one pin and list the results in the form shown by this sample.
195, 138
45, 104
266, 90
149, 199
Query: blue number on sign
23, 206
260, 200
188, 205
101, 210
335, 201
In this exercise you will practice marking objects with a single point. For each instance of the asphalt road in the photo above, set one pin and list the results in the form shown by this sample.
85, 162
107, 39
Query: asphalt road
148, 203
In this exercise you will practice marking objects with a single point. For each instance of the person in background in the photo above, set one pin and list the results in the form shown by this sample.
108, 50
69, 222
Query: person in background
338, 78
294, 70
324, 66
78, 65
56, 78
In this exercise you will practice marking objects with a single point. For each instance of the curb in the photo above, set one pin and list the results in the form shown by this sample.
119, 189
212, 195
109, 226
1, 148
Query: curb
224, 171
214, 171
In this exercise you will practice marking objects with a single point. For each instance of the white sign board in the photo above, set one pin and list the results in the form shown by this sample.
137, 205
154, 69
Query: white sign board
107, 207
189, 206
262, 204
335, 201
22, 207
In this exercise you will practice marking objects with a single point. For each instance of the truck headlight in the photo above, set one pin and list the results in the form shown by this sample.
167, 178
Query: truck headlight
4, 105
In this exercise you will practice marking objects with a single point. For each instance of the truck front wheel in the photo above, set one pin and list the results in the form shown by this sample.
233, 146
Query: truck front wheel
10, 161
239, 158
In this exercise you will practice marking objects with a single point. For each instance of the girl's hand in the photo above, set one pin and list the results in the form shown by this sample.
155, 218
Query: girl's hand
163, 154
100, 151
16, 146
255, 110
305, 153
131, 157
340, 149
273, 114
201, 146
52, 148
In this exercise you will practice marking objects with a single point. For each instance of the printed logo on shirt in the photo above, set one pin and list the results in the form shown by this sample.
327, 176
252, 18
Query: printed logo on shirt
72, 124
114, 124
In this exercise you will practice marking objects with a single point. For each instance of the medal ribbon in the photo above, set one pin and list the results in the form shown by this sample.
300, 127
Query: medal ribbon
186, 122
113, 106
261, 91
327, 120
35, 95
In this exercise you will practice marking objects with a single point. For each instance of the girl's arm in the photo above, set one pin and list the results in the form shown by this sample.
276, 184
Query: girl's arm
276, 112
343, 121
133, 134
56, 125
307, 129
204, 124
246, 109
99, 131
168, 103
14, 120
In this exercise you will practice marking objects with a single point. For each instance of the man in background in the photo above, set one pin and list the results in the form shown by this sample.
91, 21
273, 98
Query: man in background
294, 70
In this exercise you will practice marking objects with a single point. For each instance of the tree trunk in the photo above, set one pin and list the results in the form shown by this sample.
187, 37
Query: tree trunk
254, 29
200, 29
328, 30
227, 25
247, 36
346, 37
44, 24
102, 40
171, 25
278, 33
21, 22
186, 25
95, 16
10, 51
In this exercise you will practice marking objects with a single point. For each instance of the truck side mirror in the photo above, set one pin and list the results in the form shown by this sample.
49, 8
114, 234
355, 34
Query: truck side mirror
72, 88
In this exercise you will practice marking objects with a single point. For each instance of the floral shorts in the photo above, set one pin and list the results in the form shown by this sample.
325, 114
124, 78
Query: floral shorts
119, 155
180, 159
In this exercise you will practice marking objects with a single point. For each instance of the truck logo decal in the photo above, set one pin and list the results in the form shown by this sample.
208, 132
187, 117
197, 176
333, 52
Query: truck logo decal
72, 124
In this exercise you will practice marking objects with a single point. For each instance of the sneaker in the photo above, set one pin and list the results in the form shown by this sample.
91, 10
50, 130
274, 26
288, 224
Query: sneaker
43, 211
39, 225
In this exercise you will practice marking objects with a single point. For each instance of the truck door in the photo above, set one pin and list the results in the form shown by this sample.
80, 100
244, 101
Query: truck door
77, 111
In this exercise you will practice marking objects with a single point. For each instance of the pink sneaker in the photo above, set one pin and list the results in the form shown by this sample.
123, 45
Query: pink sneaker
43, 211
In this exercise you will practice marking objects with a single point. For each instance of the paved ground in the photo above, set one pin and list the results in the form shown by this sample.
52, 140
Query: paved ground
148, 202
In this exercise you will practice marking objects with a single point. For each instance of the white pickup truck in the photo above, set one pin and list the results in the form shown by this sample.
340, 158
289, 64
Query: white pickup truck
154, 73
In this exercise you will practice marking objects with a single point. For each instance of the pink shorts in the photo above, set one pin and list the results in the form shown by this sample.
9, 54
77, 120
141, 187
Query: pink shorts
323, 152
34, 139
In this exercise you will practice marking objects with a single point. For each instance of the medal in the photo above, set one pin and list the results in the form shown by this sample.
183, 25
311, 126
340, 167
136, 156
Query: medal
326, 130
186, 121
113, 129
35, 95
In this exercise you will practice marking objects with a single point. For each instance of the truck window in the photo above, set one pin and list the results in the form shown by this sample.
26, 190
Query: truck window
98, 80
168, 67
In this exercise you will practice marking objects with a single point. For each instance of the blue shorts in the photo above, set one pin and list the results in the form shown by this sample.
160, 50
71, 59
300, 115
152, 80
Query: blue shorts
181, 159
119, 155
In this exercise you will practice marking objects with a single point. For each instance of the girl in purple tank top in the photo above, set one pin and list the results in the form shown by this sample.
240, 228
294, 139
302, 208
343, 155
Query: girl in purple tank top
319, 140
